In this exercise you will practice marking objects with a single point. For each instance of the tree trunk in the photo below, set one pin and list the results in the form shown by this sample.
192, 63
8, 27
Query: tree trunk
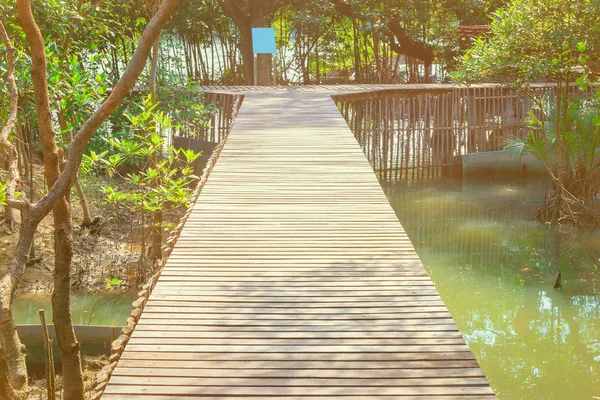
399, 39
63, 241
356, 52
61, 301
12, 353
247, 53
87, 219
254, 16
9, 218
6, 392
158, 215
9, 214
12, 350
23, 151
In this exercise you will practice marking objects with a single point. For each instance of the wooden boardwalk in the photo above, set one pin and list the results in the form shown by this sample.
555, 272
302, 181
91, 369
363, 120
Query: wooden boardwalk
293, 279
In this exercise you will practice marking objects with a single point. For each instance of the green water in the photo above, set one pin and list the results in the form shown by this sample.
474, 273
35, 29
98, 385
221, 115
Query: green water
104, 308
492, 264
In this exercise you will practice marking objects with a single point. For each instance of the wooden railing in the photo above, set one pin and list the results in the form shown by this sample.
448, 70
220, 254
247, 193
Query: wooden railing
420, 133
221, 109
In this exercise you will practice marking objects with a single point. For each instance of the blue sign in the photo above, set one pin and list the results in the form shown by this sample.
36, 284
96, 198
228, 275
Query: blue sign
263, 40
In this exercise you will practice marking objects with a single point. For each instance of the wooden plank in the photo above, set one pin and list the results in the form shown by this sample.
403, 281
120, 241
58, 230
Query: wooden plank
293, 299
303, 335
304, 282
324, 391
408, 301
218, 358
293, 278
276, 397
296, 342
292, 319
303, 366
303, 293
381, 323
289, 383
175, 309
303, 285
152, 371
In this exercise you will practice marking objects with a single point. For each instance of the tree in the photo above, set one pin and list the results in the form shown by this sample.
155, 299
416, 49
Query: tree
248, 14
60, 181
399, 39
552, 41
10, 152
556, 42
580, 172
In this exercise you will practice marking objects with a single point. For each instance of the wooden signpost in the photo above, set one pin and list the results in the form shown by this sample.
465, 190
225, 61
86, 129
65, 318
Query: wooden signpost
263, 42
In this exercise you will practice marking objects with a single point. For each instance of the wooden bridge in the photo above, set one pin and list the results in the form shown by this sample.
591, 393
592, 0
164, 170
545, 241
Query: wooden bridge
293, 279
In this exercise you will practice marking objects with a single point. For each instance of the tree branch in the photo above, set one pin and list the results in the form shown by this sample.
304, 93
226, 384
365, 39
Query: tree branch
67, 42
399, 39
405, 45
40, 90
8, 148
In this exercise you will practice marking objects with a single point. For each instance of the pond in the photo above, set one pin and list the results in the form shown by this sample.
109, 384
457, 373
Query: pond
102, 308
89, 310
492, 263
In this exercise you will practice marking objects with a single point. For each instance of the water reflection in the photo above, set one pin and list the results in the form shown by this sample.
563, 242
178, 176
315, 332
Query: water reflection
102, 308
494, 265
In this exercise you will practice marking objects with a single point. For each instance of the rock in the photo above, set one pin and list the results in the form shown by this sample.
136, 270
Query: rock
100, 387
102, 376
128, 329
96, 395
139, 303
117, 346
136, 313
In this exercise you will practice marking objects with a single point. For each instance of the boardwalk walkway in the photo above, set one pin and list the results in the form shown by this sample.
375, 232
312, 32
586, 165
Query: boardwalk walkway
293, 279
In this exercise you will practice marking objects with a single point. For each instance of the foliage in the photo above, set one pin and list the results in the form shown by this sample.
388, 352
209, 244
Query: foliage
315, 43
183, 102
534, 40
3, 193
321, 41
581, 170
148, 189
112, 282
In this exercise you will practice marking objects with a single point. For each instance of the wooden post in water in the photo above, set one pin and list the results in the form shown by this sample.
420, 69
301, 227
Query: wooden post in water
113, 335
48, 352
